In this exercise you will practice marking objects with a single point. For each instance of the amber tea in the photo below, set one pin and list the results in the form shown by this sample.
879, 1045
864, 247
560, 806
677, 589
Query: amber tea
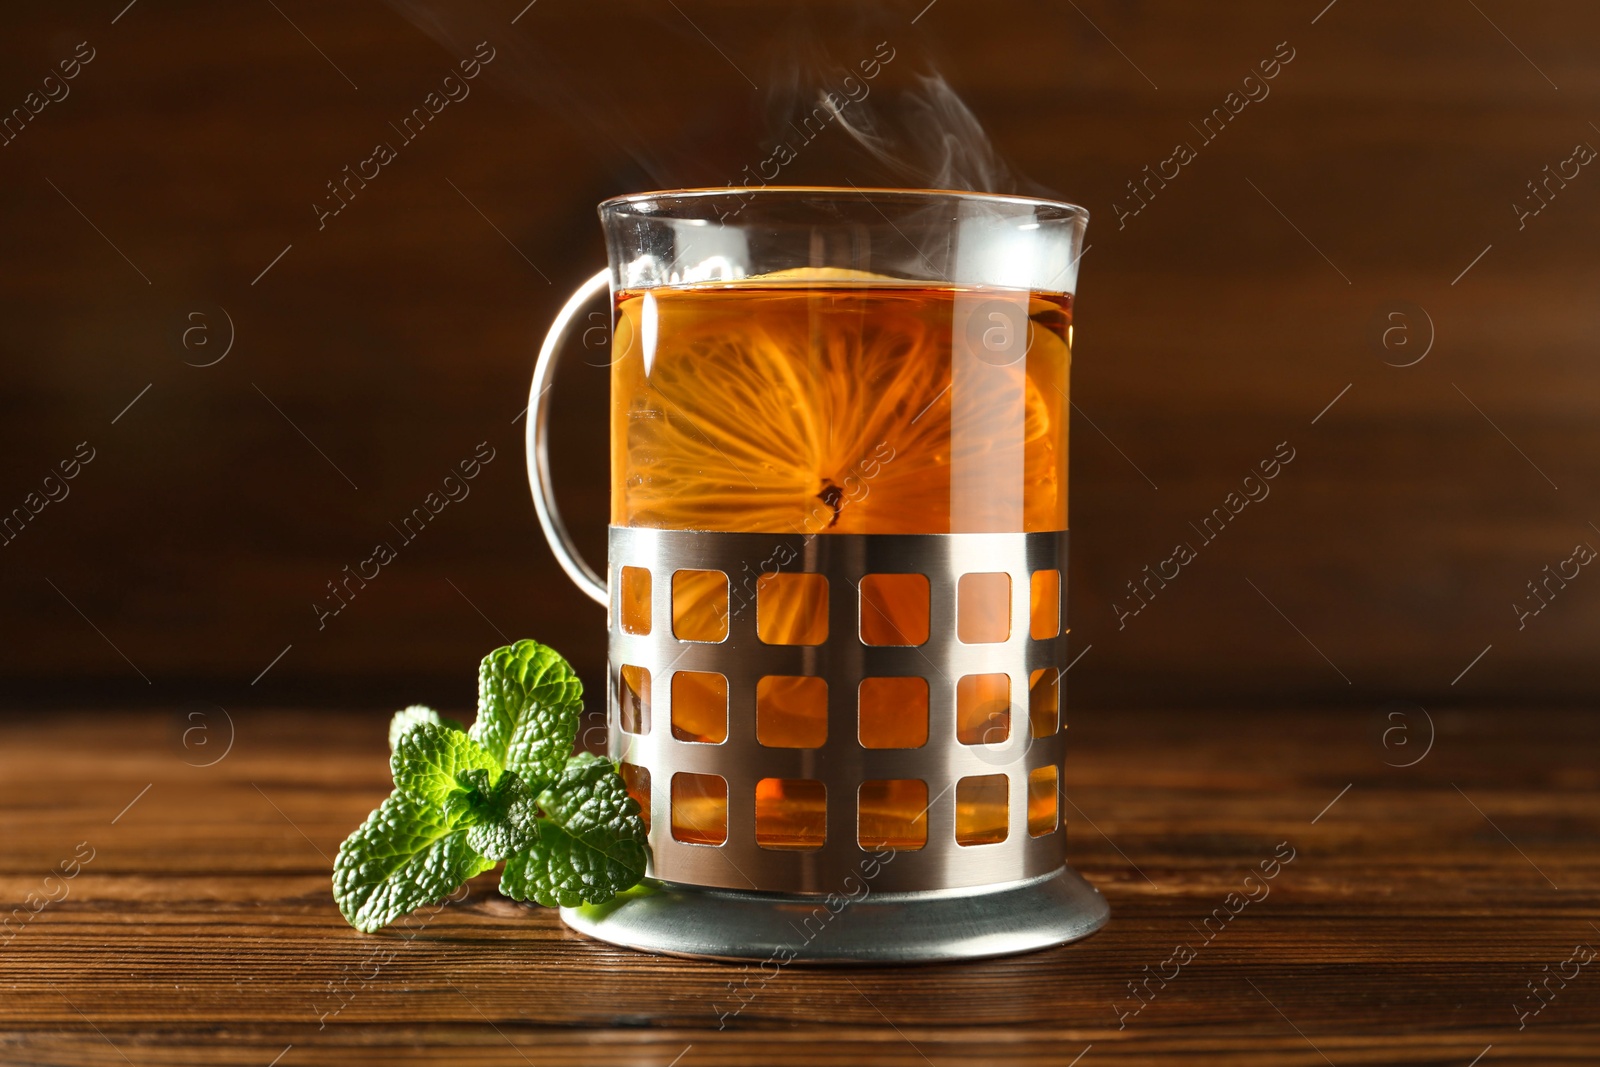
821, 402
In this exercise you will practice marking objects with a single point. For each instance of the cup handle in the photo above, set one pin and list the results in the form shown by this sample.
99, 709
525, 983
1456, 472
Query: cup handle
538, 433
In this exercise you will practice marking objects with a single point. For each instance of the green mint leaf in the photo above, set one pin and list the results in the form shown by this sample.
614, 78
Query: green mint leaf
529, 700
415, 715
434, 765
405, 855
503, 818
591, 840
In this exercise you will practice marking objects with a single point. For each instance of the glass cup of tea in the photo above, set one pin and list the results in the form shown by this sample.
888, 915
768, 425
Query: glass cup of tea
836, 574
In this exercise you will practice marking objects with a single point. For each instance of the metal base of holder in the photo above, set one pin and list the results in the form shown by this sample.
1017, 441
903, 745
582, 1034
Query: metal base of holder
877, 928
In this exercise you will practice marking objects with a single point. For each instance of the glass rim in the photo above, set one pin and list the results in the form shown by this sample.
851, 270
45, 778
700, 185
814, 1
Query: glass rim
1060, 210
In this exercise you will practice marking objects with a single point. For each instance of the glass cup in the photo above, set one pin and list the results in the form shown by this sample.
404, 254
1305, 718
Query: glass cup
838, 425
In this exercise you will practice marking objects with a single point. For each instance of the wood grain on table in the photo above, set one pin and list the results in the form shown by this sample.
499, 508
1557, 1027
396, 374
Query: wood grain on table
1419, 904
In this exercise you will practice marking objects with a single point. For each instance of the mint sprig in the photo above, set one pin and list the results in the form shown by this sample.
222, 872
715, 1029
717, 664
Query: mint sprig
508, 789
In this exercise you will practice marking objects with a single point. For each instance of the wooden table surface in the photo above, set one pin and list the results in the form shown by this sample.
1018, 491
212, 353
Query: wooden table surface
1420, 903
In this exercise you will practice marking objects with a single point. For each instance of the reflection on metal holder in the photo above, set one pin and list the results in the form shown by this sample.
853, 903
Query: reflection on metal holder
849, 927
945, 895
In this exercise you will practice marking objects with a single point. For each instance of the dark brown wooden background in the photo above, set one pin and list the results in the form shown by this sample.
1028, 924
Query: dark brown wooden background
402, 335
